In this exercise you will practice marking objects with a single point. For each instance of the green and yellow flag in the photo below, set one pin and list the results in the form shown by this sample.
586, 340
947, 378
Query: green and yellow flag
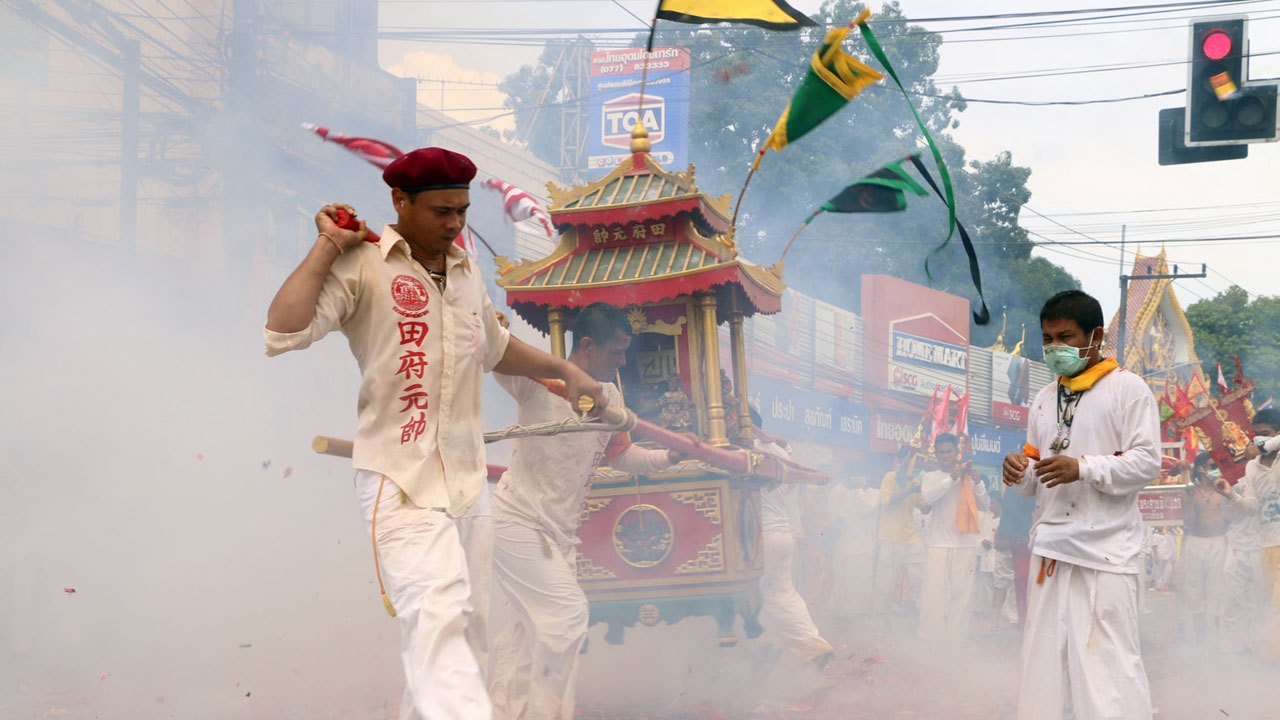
834, 78
771, 14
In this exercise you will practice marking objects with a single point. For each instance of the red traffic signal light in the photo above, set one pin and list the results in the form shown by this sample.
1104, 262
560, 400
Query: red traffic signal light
1217, 44
1223, 107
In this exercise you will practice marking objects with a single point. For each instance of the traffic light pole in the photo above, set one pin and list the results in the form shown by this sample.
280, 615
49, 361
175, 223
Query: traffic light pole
1124, 301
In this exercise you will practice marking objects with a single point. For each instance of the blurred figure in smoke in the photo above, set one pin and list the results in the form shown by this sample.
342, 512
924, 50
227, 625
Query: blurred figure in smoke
900, 556
1013, 554
853, 527
537, 508
954, 494
422, 329
984, 586
1244, 612
1093, 442
1263, 473
783, 611
1164, 557
1203, 559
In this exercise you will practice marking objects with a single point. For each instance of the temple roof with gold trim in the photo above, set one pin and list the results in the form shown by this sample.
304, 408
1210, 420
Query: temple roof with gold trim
1158, 338
640, 234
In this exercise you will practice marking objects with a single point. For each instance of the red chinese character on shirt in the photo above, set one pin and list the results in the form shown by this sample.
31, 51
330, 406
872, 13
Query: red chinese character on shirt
412, 430
412, 333
412, 363
414, 398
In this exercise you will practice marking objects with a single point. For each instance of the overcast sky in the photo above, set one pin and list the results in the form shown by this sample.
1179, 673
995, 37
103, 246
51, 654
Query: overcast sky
1094, 166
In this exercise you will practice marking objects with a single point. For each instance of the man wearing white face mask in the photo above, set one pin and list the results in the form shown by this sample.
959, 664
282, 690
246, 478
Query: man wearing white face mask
1093, 440
1263, 476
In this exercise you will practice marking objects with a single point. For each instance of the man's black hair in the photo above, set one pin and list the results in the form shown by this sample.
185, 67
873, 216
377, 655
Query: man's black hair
904, 452
1270, 417
1204, 459
755, 417
601, 322
946, 438
1074, 305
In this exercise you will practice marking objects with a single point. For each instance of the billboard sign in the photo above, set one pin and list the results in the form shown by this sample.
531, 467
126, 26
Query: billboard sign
925, 354
915, 339
616, 106
808, 415
1010, 388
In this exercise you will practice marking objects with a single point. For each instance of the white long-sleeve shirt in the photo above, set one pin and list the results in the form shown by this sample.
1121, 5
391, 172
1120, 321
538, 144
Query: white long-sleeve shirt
941, 493
422, 355
547, 483
778, 503
1242, 508
1265, 483
1094, 522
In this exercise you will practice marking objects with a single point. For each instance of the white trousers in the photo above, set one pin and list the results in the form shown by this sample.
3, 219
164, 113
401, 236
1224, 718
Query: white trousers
1080, 653
432, 565
898, 573
783, 610
1201, 581
535, 659
1244, 612
946, 593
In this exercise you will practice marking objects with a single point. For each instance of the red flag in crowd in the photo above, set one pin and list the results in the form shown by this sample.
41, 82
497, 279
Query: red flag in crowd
1222, 380
520, 205
375, 152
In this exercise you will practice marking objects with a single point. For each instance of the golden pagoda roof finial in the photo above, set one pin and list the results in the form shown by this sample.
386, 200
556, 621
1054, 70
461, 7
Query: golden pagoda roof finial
998, 345
640, 138
1017, 349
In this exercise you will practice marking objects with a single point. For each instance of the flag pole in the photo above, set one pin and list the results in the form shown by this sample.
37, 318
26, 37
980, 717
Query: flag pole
733, 222
487, 246
795, 235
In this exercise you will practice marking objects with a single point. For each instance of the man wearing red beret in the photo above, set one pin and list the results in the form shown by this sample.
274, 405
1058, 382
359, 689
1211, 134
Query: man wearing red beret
423, 331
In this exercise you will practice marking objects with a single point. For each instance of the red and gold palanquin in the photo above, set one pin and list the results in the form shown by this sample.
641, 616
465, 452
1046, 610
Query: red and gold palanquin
687, 541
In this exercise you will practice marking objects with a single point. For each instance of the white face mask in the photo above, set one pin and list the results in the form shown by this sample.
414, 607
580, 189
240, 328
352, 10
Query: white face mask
1067, 360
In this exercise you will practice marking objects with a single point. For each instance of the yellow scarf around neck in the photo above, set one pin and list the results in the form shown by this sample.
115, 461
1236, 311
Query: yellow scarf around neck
1088, 378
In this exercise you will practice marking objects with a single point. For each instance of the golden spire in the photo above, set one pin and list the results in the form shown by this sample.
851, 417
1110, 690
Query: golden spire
640, 138
998, 345
1017, 349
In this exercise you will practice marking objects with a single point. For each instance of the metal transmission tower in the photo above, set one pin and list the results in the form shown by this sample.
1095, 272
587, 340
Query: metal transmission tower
574, 113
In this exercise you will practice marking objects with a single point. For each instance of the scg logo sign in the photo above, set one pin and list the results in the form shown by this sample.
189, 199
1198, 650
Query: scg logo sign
621, 115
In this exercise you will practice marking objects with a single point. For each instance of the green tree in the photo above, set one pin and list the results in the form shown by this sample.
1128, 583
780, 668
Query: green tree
731, 115
1228, 326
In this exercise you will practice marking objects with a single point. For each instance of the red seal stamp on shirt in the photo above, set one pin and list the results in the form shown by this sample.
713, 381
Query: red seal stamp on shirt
410, 296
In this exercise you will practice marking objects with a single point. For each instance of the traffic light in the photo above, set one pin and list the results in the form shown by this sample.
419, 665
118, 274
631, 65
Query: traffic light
1223, 107
1174, 151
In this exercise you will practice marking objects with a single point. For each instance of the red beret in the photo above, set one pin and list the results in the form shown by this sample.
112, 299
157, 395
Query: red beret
430, 168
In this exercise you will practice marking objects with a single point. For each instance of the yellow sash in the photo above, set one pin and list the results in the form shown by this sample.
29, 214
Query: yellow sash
1086, 379
967, 508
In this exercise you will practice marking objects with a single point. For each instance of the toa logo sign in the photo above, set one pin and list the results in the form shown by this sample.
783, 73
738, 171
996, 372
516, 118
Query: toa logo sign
621, 115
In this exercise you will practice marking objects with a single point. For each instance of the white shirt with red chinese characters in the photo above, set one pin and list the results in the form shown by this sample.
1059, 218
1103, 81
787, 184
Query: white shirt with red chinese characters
422, 357
1094, 522
547, 484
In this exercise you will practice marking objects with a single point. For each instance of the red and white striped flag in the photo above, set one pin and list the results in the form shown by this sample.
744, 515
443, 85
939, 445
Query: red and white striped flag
1222, 380
375, 152
520, 205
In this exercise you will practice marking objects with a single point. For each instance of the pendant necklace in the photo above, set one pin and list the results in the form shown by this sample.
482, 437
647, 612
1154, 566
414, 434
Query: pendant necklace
1067, 403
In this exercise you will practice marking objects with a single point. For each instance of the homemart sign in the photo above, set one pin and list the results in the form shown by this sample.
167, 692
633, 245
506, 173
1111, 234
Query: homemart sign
925, 353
